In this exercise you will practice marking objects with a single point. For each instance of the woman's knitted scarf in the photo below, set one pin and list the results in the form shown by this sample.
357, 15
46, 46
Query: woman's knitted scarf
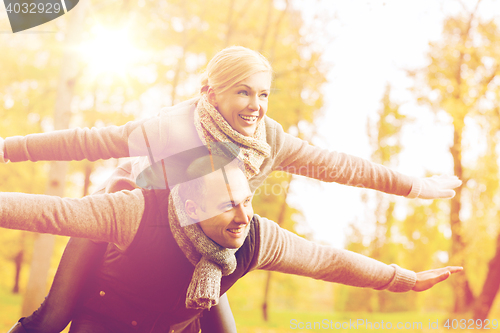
211, 260
212, 127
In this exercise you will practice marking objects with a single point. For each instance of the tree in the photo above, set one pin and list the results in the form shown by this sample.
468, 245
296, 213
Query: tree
176, 39
484, 194
385, 141
44, 243
383, 245
485, 217
460, 81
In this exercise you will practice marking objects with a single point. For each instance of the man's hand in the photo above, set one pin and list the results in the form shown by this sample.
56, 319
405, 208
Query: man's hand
2, 147
435, 187
427, 279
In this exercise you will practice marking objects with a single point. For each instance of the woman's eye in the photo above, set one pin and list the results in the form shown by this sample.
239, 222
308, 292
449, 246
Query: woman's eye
264, 95
243, 92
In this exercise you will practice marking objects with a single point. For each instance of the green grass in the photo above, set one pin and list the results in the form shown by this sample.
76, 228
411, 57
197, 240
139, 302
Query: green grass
289, 321
9, 309
250, 321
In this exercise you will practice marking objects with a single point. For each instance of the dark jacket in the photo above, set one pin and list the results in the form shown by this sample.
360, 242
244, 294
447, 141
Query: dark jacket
143, 289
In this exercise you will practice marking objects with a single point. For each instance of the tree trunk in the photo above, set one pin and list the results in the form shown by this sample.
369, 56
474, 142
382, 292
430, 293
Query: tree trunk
88, 168
267, 26
490, 288
18, 261
463, 294
230, 27
44, 243
265, 304
277, 26
464, 298
279, 221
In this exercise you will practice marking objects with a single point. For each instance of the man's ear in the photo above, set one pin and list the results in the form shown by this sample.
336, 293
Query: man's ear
212, 98
192, 210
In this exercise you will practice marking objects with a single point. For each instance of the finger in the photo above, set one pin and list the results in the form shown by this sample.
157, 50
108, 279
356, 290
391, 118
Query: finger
445, 177
445, 194
445, 271
442, 277
447, 181
435, 280
453, 183
442, 270
450, 176
454, 269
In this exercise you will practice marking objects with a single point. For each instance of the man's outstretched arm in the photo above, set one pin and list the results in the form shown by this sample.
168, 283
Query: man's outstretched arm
283, 251
112, 217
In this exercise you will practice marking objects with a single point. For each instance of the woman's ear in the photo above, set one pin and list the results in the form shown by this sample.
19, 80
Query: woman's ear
212, 98
192, 210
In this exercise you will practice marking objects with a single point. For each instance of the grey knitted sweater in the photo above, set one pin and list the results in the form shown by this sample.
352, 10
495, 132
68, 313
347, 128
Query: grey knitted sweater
172, 131
115, 217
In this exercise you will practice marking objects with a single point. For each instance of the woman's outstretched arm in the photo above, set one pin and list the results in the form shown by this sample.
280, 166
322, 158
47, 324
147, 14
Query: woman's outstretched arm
299, 157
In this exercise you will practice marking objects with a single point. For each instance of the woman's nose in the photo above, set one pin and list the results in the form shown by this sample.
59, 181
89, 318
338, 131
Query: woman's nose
254, 103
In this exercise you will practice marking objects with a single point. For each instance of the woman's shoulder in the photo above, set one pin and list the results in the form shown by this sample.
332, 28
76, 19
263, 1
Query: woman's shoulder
181, 109
274, 131
271, 123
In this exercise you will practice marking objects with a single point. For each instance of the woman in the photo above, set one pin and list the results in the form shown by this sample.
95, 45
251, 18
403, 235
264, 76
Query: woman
231, 108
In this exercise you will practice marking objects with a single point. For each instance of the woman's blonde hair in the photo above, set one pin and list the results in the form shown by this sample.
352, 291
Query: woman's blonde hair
232, 65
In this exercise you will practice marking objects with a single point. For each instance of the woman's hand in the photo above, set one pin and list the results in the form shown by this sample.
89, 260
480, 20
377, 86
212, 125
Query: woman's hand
435, 187
427, 279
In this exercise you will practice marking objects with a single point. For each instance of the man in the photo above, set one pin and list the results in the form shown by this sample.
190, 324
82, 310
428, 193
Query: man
174, 252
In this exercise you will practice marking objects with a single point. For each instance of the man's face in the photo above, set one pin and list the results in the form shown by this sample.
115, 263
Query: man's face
227, 208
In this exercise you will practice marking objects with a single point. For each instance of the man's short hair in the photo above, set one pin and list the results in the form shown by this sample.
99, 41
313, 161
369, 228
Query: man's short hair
196, 188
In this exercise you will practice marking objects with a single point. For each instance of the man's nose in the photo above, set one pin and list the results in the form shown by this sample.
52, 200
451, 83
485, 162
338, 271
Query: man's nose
241, 214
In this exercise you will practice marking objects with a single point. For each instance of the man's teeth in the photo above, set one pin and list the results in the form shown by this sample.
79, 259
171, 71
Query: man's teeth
235, 231
249, 118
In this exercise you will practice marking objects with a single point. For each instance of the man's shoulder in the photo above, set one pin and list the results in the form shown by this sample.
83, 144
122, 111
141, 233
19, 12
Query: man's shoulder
263, 224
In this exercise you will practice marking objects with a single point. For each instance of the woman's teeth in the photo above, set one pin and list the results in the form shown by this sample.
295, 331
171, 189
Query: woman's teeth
249, 118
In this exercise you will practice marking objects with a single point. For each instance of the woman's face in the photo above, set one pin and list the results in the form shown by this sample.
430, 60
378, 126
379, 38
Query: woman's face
244, 104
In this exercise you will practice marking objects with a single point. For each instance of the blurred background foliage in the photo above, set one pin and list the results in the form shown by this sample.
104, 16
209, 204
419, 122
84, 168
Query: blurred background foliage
134, 57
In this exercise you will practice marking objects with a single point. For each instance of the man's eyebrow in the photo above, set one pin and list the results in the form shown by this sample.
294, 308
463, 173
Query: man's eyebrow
233, 203
223, 204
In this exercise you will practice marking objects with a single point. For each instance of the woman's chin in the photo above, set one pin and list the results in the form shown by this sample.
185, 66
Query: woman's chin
245, 128
247, 131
